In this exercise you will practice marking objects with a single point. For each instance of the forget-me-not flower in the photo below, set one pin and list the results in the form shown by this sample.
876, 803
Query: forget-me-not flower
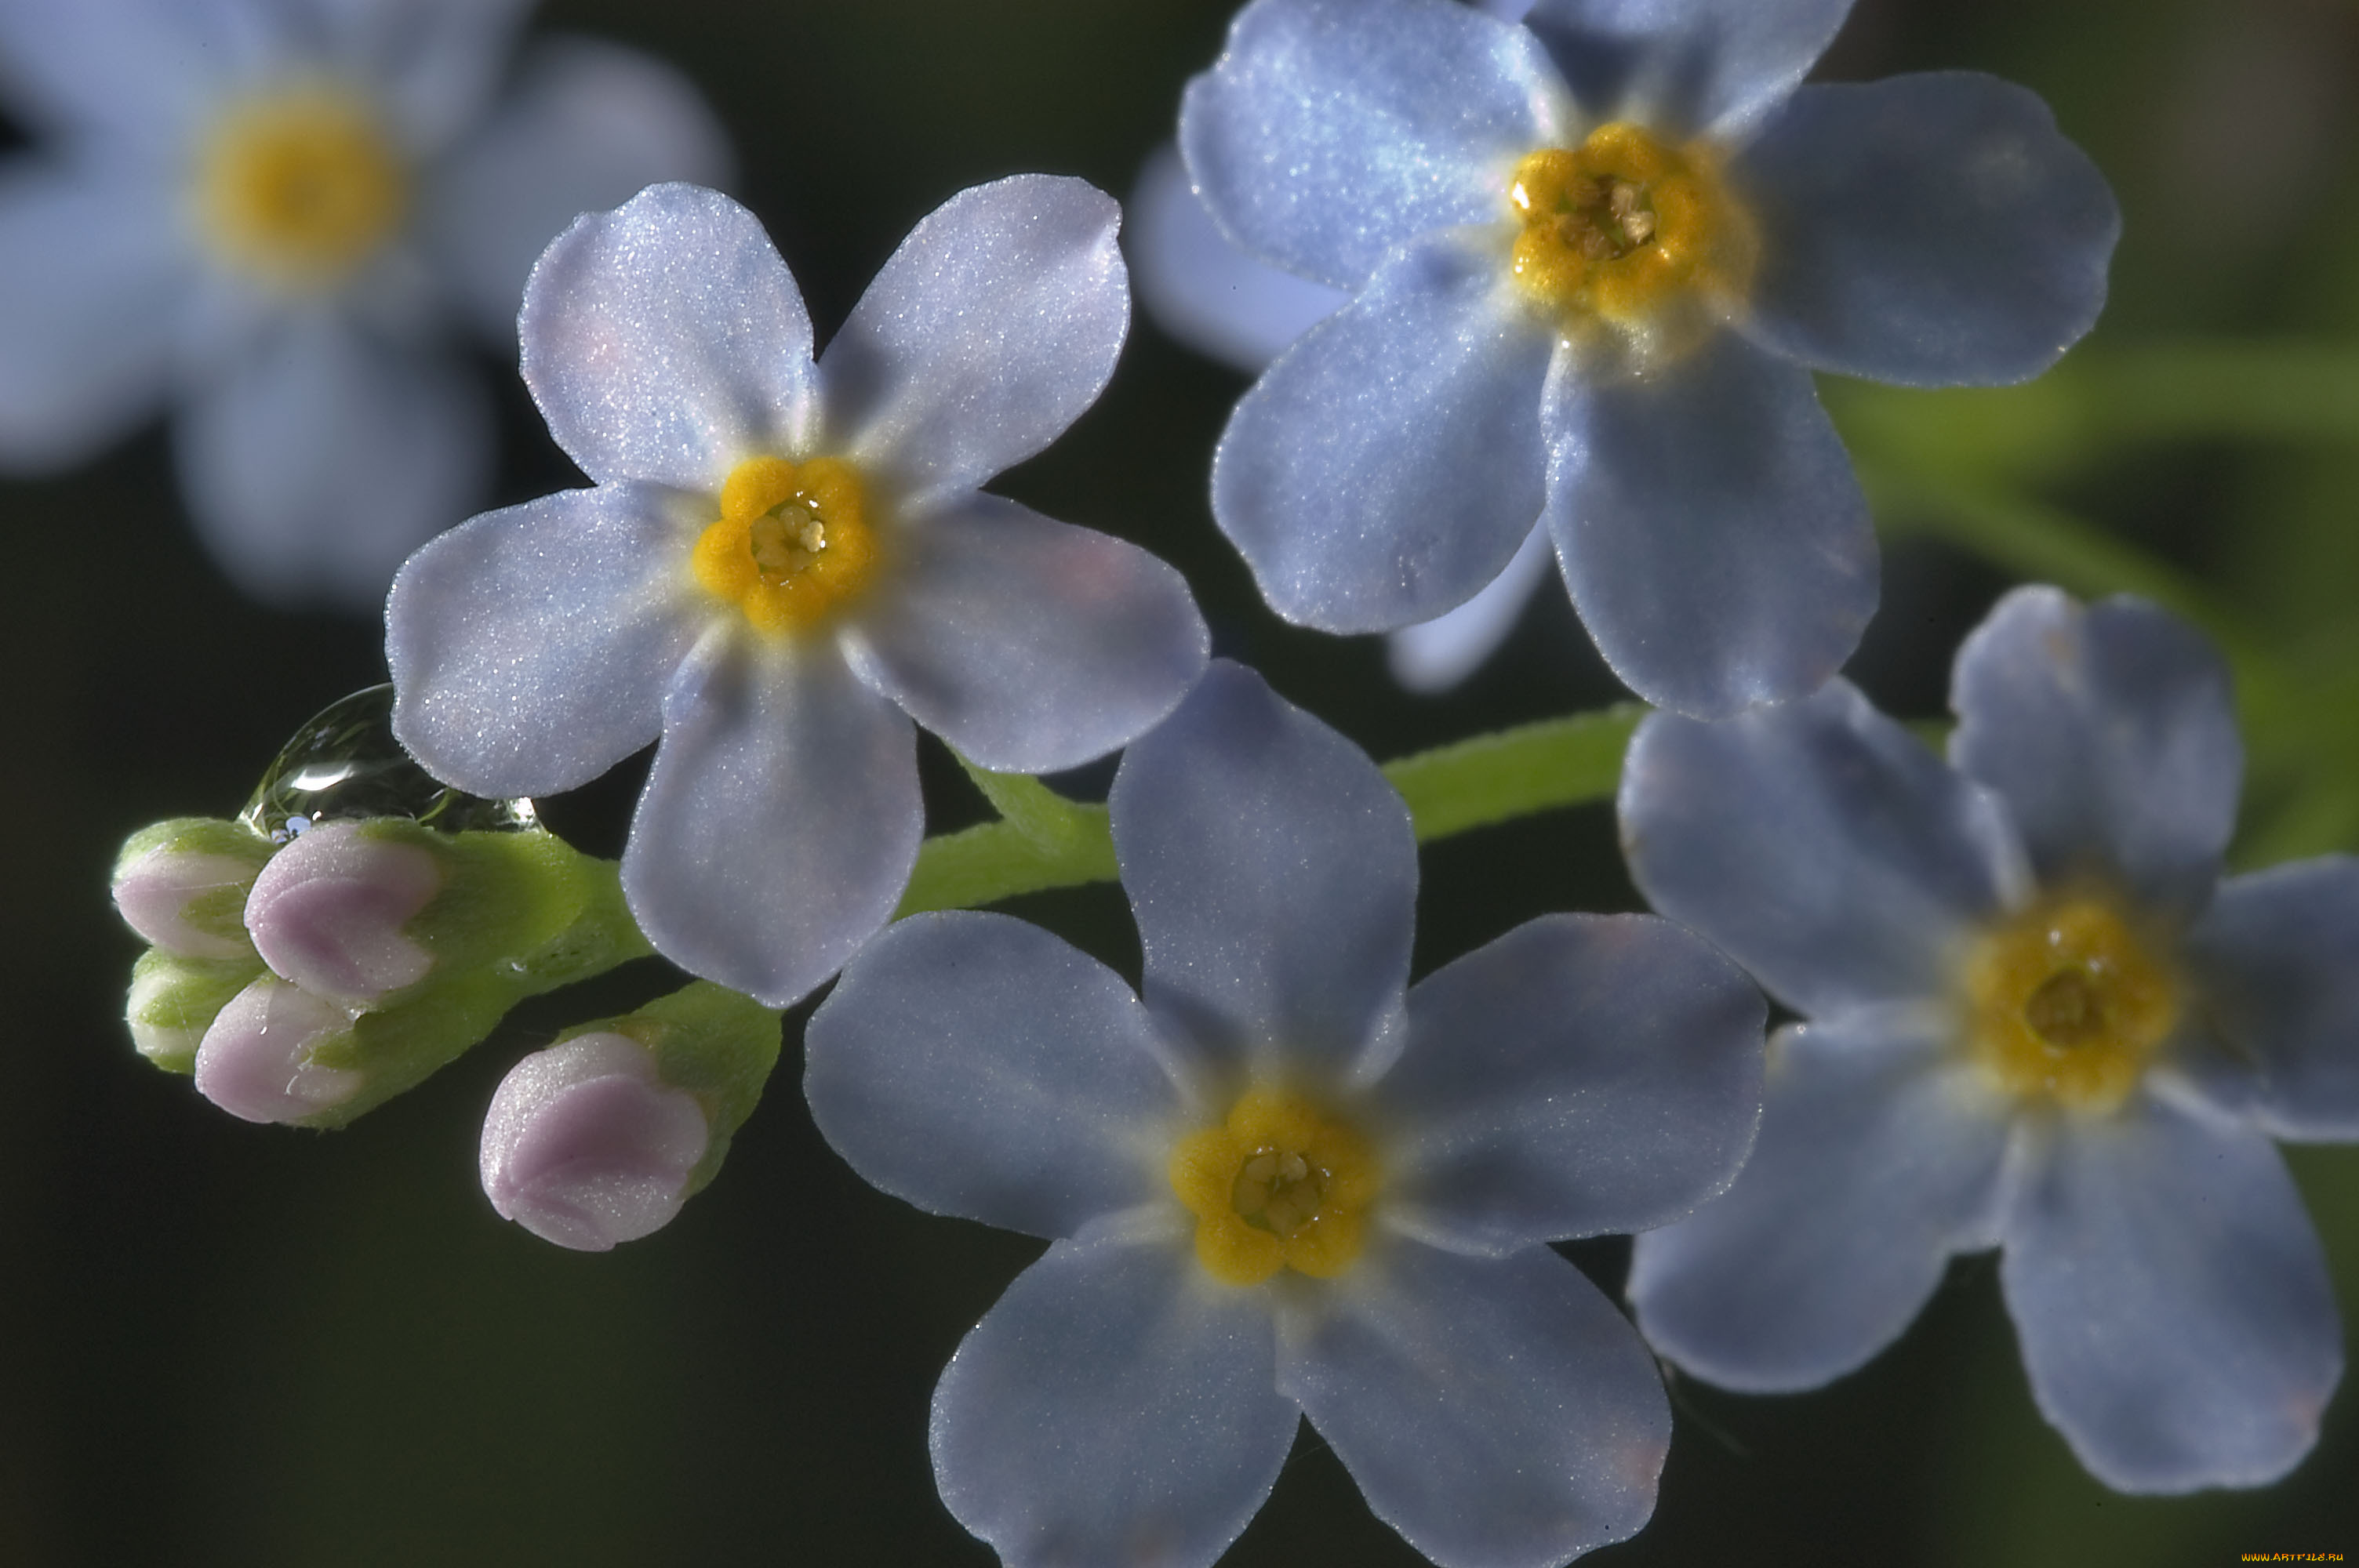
782, 563
2034, 1018
1595, 259
1200, 287
273, 214
1283, 1183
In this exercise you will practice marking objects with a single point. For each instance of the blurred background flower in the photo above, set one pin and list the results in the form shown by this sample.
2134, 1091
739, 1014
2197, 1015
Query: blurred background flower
254, 1346
275, 215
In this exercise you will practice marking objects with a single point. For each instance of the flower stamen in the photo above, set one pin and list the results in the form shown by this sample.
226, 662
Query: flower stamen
792, 544
300, 186
2068, 1003
1626, 232
1278, 1184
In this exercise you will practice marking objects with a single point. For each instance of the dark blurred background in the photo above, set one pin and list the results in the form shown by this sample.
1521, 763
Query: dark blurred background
224, 1344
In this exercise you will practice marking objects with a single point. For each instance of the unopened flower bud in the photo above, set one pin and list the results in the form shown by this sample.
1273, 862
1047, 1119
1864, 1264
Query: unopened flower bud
174, 999
327, 913
586, 1146
259, 1059
182, 885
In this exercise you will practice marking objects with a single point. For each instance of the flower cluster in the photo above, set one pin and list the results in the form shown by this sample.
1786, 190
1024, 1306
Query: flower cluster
308, 983
1571, 273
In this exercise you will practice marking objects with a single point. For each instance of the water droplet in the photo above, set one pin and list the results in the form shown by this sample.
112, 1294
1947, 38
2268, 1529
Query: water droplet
344, 764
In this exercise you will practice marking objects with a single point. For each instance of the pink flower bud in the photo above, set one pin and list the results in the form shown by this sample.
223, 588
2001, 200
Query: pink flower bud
327, 913
163, 895
255, 1061
586, 1146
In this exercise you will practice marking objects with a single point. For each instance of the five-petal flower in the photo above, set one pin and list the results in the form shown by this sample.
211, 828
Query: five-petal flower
1595, 260
2034, 1017
271, 213
784, 562
1284, 1183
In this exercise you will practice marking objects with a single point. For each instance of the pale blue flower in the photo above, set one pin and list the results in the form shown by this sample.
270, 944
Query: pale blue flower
1282, 1183
2036, 1017
1201, 289
783, 562
277, 215
1595, 259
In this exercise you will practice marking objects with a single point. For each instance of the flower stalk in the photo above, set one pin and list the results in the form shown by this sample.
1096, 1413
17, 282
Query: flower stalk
1043, 840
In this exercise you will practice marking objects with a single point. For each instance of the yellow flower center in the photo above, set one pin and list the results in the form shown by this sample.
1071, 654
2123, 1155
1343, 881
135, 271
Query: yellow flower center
301, 184
1278, 1184
2067, 1002
1627, 234
792, 546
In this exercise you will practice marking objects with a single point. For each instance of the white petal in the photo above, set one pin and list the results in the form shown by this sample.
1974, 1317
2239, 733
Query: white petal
666, 341
1434, 655
779, 822
988, 331
327, 454
530, 647
94, 276
1581, 1073
2172, 1300
1932, 230
1390, 462
977, 1065
434, 63
1711, 528
2273, 955
1028, 644
1683, 66
133, 71
1201, 288
1332, 131
1115, 1407
1880, 1156
1273, 875
1819, 844
1498, 1412
2110, 730
586, 125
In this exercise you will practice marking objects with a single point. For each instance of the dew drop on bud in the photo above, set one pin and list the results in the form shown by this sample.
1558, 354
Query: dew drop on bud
344, 765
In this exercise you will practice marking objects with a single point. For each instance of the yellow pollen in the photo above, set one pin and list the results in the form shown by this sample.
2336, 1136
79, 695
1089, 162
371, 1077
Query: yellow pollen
792, 546
1278, 1185
2067, 1002
300, 186
1626, 233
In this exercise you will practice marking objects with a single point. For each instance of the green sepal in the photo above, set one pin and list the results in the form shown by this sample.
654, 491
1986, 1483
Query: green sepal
518, 914
222, 911
718, 1045
515, 898
195, 836
175, 1000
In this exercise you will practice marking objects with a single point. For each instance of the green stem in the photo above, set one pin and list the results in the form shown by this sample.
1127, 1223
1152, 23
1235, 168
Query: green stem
1515, 772
1043, 840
